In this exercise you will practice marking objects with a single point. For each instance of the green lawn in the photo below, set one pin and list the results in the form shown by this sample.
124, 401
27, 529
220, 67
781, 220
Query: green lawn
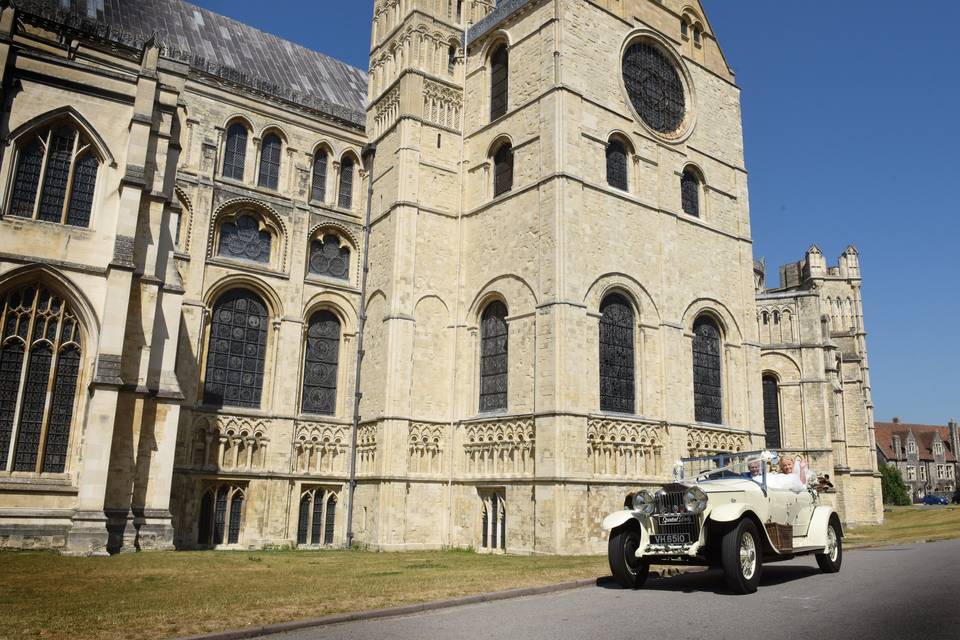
162, 595
909, 524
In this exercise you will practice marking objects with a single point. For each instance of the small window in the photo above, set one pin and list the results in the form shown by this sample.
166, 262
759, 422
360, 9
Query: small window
346, 183
499, 81
697, 35
330, 258
235, 153
503, 170
270, 162
221, 516
690, 193
911, 447
684, 28
493, 358
451, 59
617, 165
244, 238
319, 188
318, 513
771, 411
493, 522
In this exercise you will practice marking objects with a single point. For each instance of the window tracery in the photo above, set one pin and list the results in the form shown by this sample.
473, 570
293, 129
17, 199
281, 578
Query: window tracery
347, 169
245, 237
319, 185
221, 515
707, 386
40, 356
270, 161
493, 358
55, 177
617, 382
236, 351
235, 152
654, 87
330, 257
318, 513
321, 362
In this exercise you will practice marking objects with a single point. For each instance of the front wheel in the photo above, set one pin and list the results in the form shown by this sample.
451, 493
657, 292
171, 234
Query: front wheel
741, 557
628, 570
831, 560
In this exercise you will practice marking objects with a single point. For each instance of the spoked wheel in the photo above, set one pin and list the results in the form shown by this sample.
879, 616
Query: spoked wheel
741, 557
629, 570
831, 560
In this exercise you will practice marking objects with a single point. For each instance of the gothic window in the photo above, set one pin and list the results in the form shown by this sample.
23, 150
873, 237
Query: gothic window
493, 358
244, 238
221, 515
690, 193
654, 87
499, 81
697, 35
503, 170
318, 517
707, 387
493, 519
321, 364
55, 177
40, 356
270, 161
237, 351
346, 183
319, 191
235, 152
616, 355
684, 28
617, 165
771, 411
451, 58
329, 258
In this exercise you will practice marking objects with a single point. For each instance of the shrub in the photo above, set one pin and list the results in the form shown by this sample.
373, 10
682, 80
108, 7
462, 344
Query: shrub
894, 489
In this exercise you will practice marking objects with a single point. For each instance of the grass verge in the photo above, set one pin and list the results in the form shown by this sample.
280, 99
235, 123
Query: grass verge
909, 524
169, 594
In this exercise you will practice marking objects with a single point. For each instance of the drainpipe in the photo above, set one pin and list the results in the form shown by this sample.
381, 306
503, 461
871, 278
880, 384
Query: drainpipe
369, 154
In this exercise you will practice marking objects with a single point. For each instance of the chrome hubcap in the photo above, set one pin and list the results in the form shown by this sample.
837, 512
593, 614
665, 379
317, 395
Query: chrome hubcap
630, 546
833, 549
748, 556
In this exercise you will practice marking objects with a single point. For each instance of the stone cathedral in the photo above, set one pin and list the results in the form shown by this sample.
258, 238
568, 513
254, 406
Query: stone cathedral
556, 292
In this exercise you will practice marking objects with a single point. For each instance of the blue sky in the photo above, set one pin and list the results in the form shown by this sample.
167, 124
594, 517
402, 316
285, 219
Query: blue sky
850, 129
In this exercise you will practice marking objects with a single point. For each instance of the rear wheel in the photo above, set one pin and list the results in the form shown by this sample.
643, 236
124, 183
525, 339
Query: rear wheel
741, 557
629, 570
831, 560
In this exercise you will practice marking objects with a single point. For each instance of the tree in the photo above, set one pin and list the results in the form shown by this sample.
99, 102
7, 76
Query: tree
894, 489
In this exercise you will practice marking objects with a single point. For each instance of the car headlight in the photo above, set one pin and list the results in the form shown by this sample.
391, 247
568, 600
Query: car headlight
695, 500
643, 502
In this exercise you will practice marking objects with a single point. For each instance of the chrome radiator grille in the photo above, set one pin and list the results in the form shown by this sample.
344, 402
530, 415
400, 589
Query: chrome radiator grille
671, 517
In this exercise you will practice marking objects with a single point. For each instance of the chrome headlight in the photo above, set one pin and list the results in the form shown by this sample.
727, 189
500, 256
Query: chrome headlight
643, 502
695, 500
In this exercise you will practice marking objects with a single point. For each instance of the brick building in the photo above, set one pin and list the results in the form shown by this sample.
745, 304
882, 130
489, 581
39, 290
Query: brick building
925, 454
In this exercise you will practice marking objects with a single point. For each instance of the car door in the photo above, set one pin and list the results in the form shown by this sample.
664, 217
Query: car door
805, 508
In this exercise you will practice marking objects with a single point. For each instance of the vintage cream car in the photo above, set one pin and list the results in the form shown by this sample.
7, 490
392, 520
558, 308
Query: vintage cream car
717, 513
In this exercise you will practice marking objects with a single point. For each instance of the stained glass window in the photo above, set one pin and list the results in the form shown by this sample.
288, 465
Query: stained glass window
319, 192
235, 152
616, 355
204, 531
243, 239
617, 165
346, 183
328, 258
654, 87
270, 162
317, 522
237, 351
493, 358
707, 386
321, 364
328, 529
499, 82
220, 515
690, 193
40, 357
771, 411
57, 154
303, 523
236, 513
502, 170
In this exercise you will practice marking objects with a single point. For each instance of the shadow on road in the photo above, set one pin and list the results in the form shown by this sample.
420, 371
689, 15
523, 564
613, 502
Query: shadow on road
712, 580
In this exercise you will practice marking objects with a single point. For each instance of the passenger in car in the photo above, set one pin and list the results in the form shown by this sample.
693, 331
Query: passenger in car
792, 476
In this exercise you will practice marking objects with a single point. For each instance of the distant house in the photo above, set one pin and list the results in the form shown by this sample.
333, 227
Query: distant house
925, 454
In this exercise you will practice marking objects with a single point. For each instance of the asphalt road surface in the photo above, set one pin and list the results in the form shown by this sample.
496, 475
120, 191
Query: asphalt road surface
901, 593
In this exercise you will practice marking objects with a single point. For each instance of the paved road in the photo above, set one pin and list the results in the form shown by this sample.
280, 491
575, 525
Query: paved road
901, 593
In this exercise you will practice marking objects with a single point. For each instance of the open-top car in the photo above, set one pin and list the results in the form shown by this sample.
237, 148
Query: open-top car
725, 510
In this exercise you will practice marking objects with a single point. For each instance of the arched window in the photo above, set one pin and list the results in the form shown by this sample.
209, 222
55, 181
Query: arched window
499, 81
493, 358
617, 165
55, 177
40, 353
493, 521
707, 387
684, 27
236, 351
690, 193
503, 170
321, 364
451, 58
270, 161
235, 152
616, 355
346, 183
244, 237
318, 517
328, 258
771, 411
319, 190
221, 515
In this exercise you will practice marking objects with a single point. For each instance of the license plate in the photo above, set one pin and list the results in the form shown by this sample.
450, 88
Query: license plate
671, 538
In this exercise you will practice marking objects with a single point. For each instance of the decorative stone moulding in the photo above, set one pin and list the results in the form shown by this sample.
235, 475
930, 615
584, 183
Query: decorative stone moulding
229, 443
625, 449
499, 448
706, 442
426, 448
321, 448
